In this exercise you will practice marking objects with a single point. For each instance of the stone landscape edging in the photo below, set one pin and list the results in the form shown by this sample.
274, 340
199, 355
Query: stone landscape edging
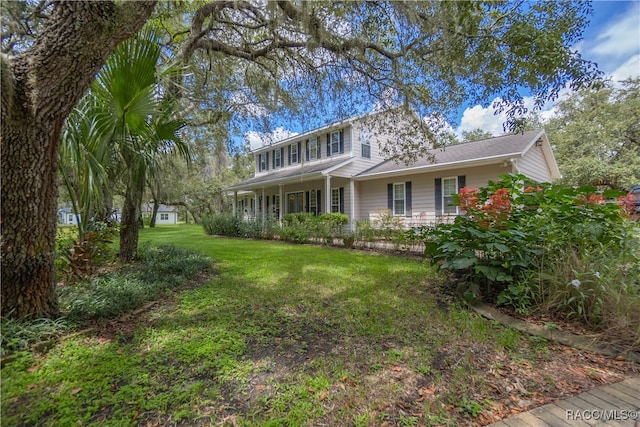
581, 342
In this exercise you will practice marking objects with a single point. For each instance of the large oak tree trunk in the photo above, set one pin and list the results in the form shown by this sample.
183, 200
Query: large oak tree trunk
40, 87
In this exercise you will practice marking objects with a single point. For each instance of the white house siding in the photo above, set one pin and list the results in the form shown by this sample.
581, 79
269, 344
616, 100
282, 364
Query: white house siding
533, 165
172, 218
373, 193
322, 142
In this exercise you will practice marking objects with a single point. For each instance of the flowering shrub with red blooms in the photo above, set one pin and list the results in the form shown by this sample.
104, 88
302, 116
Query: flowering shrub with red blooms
593, 199
468, 199
627, 203
509, 227
491, 212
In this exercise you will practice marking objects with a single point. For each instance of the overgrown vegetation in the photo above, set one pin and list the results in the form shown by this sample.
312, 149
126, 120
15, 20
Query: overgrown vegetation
161, 268
550, 248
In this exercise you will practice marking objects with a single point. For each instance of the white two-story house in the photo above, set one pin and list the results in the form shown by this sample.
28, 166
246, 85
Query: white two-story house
340, 168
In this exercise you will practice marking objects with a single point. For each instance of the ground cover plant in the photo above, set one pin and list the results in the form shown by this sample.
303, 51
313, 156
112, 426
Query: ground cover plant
290, 335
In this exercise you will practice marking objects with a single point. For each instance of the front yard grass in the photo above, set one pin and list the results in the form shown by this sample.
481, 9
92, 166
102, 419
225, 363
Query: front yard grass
295, 335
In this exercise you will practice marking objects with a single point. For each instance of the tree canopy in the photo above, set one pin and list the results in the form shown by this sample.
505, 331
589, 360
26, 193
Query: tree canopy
596, 135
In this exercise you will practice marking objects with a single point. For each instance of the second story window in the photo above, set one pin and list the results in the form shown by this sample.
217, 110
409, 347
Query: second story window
335, 142
264, 162
294, 153
277, 158
365, 143
313, 149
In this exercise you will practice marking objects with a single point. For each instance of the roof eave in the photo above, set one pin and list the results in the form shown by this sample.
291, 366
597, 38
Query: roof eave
441, 166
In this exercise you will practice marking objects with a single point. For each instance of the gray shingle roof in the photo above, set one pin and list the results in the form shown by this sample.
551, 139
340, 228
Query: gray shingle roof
500, 146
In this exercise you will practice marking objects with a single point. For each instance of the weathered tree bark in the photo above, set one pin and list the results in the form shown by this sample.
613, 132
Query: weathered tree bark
156, 206
45, 83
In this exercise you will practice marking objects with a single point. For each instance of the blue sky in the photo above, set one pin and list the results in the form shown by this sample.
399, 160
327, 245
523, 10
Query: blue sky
612, 40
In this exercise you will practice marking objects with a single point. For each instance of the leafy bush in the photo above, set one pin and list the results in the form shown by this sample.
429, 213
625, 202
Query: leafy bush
222, 224
164, 267
514, 231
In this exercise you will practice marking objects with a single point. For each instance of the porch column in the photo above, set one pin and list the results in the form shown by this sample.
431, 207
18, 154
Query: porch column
281, 207
254, 214
327, 194
235, 203
352, 205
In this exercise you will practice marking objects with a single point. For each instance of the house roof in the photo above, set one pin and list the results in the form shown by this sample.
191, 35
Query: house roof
483, 152
305, 170
477, 152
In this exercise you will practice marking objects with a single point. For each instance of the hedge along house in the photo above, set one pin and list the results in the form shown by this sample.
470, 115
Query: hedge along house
340, 168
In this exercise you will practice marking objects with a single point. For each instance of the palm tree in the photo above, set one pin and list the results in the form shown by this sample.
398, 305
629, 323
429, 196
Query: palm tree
130, 127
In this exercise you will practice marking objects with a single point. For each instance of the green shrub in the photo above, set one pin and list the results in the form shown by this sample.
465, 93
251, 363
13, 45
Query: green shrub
514, 231
222, 224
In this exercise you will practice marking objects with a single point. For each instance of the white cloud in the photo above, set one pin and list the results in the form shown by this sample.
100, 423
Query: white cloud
622, 37
631, 68
479, 117
260, 139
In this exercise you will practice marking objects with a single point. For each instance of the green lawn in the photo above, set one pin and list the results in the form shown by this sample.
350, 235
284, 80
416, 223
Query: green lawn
280, 334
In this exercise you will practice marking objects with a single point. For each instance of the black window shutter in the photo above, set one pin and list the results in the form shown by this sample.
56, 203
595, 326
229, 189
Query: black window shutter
462, 182
341, 199
273, 160
267, 204
390, 197
266, 161
258, 165
319, 199
328, 145
306, 144
318, 147
438, 191
306, 209
342, 141
289, 150
299, 151
407, 189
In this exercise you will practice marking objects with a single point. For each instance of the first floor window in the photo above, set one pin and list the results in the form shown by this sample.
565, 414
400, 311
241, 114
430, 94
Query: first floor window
399, 199
276, 206
335, 200
295, 202
164, 217
313, 202
70, 218
449, 188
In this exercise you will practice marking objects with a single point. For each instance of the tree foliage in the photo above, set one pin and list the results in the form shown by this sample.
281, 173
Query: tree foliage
597, 136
